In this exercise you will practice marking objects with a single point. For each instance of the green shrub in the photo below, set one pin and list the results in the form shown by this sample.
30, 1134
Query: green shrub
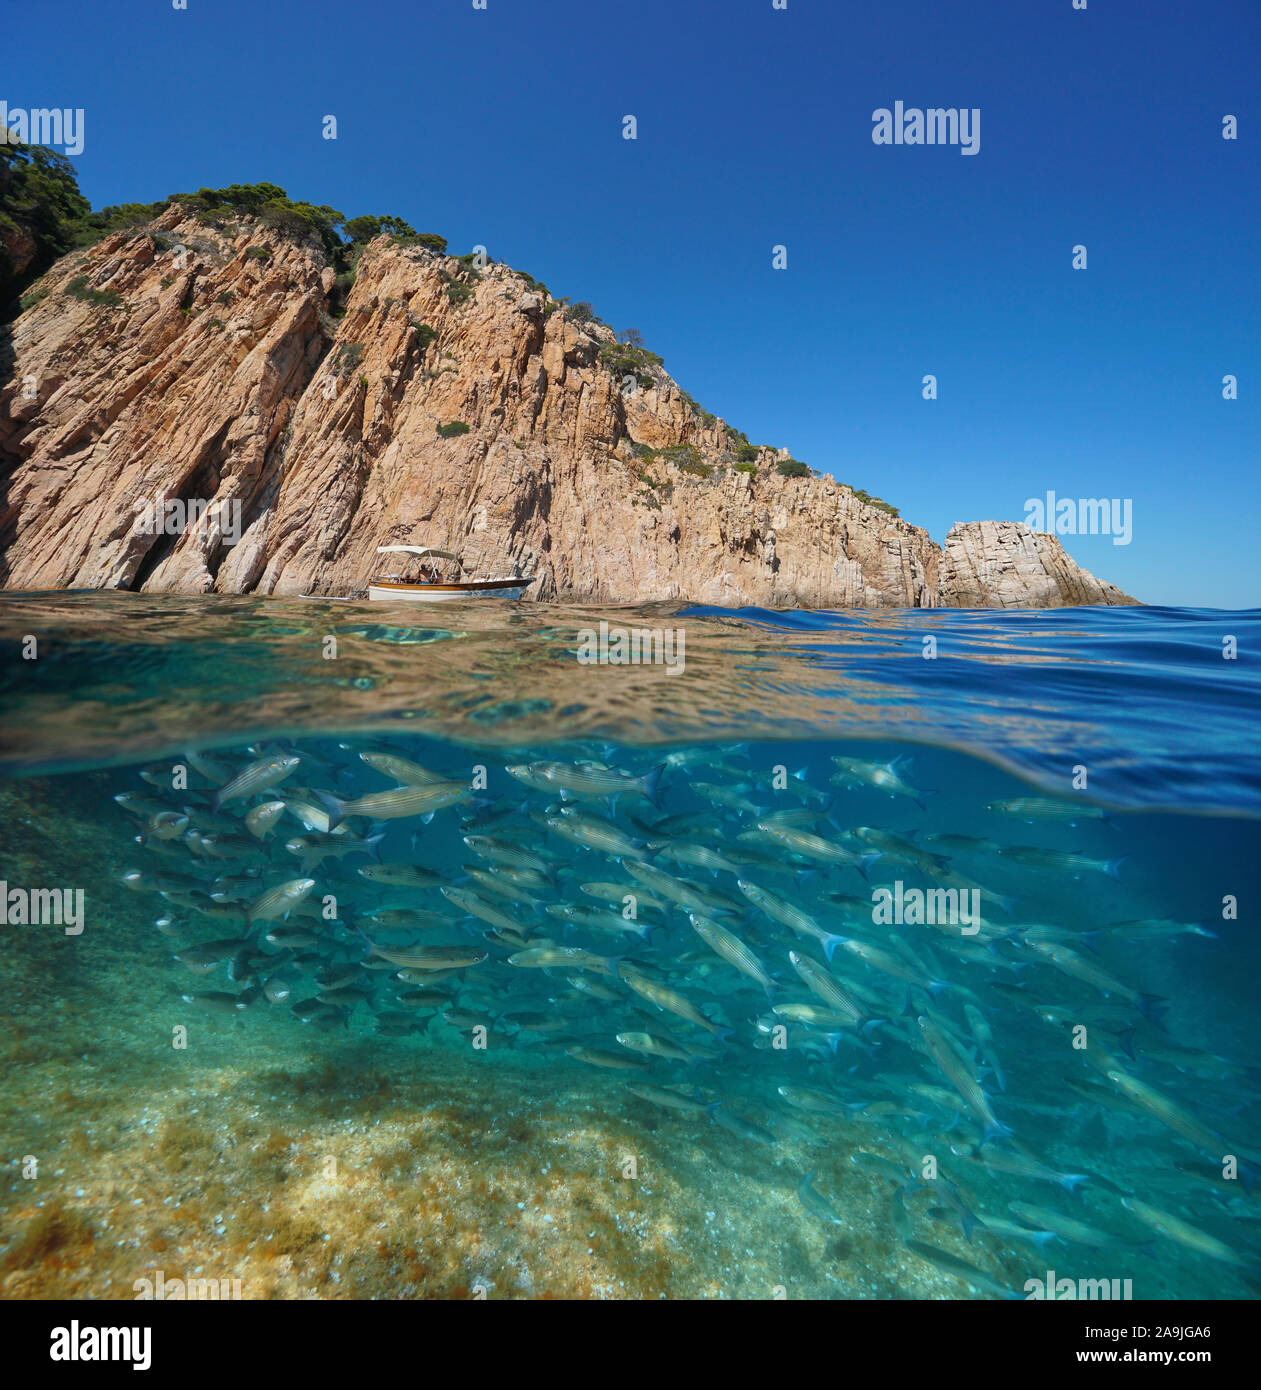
747, 453
624, 360
224, 297
877, 502
363, 229
347, 359
457, 291
40, 203
749, 468
792, 468
257, 253
582, 312
99, 299
28, 301
424, 335
452, 429
687, 458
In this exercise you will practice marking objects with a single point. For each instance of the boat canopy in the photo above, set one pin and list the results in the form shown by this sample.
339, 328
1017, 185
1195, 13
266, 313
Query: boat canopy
417, 550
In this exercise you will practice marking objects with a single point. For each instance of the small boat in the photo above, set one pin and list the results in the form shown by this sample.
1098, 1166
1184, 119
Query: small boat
438, 587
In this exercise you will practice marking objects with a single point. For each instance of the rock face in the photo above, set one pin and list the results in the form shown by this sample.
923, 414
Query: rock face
1003, 564
202, 365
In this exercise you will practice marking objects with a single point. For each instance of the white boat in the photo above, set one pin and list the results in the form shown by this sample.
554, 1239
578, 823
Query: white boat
395, 588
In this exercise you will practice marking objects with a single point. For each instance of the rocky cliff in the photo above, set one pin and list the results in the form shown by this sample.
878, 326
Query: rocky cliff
450, 405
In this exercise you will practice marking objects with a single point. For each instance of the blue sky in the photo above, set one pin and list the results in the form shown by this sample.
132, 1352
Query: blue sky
503, 127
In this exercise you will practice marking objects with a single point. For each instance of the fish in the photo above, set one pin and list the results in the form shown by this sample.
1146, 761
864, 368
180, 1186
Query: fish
577, 919
881, 1166
789, 915
729, 946
653, 1046
885, 777
1043, 808
601, 1057
678, 891
1023, 1165
553, 957
887, 963
279, 901
478, 907
619, 892
167, 825
959, 1269
1072, 963
1060, 861
811, 846
261, 820
258, 776
598, 919
1066, 1227
401, 770
312, 852
402, 875
593, 833
219, 1001
1154, 930
399, 803
452, 957
588, 780
693, 856
1174, 1228
507, 854
1167, 1111
818, 1102
738, 1124
984, 1036
671, 1100
730, 798
955, 1068
665, 998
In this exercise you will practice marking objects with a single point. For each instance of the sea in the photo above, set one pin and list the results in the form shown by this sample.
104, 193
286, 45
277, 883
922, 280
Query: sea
541, 952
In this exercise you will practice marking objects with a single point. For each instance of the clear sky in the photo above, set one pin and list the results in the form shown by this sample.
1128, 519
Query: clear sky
504, 127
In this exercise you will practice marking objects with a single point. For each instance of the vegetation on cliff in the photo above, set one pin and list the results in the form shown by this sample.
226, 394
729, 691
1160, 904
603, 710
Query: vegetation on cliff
41, 210
44, 216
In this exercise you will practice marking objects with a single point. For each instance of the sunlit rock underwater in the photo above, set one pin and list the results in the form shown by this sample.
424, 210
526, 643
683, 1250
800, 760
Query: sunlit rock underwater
353, 955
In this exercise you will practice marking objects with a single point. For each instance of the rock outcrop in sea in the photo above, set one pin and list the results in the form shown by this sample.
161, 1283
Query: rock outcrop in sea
448, 404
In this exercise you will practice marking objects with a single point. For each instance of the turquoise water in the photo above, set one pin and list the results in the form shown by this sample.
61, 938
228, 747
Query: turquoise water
605, 981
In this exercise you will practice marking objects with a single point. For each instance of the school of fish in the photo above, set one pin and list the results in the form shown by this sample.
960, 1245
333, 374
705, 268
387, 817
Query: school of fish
700, 926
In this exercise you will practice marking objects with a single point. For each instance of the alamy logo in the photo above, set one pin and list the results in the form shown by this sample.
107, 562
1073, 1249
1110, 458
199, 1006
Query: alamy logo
936, 907
938, 125
160, 1287
75, 1343
42, 907
1082, 516
41, 126
1052, 1288
641, 646
168, 516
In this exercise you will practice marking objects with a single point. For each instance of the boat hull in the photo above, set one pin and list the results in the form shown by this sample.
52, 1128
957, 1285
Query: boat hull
393, 592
